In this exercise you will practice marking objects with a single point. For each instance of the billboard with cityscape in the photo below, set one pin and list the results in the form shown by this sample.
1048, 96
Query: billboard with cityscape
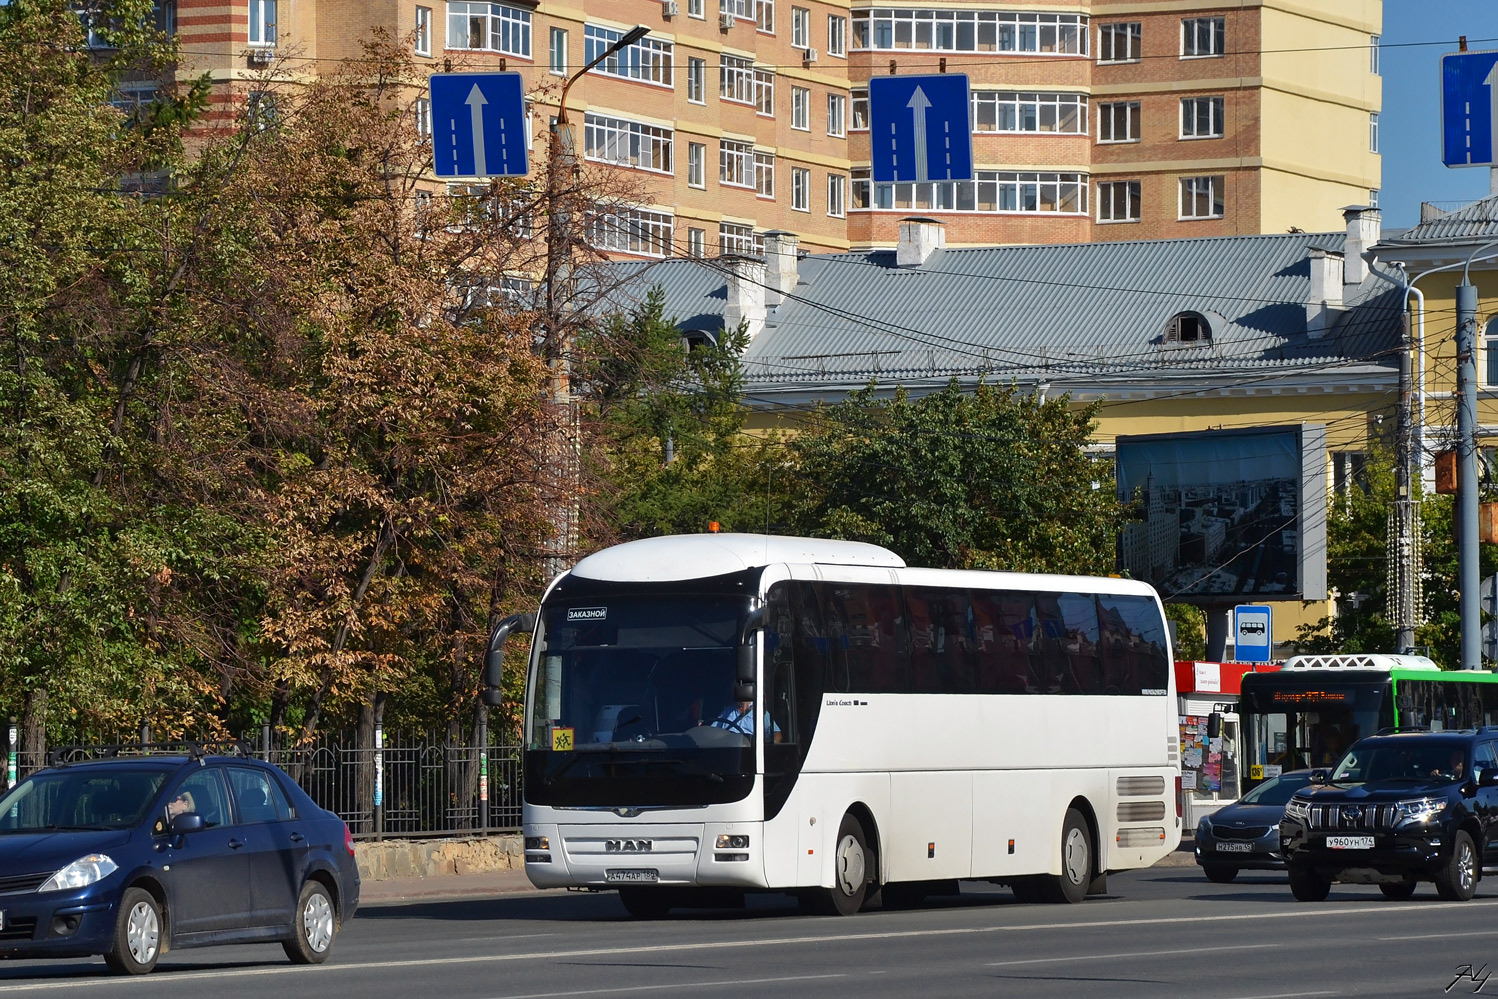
1220, 515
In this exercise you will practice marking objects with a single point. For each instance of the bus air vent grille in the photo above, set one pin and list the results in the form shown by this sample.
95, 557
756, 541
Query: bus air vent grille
1141, 811
1141, 787
1140, 837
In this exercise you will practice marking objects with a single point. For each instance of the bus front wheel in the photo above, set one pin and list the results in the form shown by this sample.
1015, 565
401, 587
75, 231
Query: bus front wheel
1076, 862
851, 866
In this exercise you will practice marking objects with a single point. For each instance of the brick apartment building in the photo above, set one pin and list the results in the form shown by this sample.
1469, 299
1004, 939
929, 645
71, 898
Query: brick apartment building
1093, 119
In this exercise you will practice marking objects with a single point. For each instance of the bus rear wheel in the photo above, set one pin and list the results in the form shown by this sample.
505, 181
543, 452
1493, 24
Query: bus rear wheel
1077, 854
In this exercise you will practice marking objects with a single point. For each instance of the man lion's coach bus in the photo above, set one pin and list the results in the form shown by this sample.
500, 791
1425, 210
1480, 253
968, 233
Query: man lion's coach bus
1315, 707
707, 715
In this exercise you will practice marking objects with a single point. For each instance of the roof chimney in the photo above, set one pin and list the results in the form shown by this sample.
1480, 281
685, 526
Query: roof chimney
1364, 226
1325, 299
780, 265
919, 238
746, 294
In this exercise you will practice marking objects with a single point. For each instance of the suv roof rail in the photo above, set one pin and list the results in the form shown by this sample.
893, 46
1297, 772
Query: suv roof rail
64, 755
1396, 729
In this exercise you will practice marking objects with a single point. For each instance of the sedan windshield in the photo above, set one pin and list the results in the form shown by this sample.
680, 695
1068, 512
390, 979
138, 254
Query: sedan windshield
60, 800
1277, 790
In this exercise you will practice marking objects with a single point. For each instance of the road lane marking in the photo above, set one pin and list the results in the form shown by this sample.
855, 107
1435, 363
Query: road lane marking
165, 977
714, 984
1289, 995
1070, 958
1440, 936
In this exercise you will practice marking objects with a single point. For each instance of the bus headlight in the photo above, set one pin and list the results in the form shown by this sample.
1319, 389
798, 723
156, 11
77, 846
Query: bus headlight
732, 841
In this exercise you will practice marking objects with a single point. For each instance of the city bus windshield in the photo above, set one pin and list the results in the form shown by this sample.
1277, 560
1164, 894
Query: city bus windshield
1293, 721
634, 694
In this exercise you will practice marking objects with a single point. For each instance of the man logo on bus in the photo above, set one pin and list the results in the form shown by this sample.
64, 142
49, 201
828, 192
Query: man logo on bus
587, 613
626, 846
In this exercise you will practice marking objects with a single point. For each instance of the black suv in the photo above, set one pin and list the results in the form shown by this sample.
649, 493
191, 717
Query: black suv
1398, 808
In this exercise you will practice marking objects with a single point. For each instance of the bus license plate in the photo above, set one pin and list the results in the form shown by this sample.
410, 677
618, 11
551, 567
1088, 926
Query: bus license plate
1349, 842
632, 876
1235, 847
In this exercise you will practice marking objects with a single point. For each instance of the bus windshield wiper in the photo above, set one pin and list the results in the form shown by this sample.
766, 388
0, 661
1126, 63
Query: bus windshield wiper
694, 768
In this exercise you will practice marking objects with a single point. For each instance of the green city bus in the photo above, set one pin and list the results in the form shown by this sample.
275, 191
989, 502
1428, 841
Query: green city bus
1314, 707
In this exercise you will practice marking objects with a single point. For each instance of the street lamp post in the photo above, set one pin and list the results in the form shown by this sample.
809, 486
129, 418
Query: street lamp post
562, 158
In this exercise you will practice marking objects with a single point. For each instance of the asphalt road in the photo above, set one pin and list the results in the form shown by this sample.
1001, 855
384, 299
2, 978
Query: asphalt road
1163, 932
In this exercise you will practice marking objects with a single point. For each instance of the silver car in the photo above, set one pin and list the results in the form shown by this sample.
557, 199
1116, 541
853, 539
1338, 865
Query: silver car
1245, 836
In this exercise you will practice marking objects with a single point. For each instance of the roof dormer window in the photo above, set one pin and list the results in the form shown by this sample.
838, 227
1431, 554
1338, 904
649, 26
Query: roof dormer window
1189, 329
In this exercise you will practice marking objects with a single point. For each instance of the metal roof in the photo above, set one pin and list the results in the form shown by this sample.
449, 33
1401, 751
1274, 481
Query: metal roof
695, 294
1473, 223
1088, 312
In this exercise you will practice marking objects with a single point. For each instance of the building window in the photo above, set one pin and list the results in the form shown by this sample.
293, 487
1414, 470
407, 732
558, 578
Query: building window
837, 205
1490, 352
490, 27
1202, 36
421, 41
837, 35
627, 143
764, 175
1188, 328
1003, 111
632, 231
1373, 132
422, 106
696, 242
696, 168
262, 22
992, 191
736, 81
260, 111
647, 60
800, 189
738, 8
1118, 122
558, 51
837, 115
1118, 201
1201, 117
736, 163
971, 31
764, 92
859, 99
1373, 43
800, 28
764, 16
1201, 197
735, 238
695, 9
1119, 42
801, 109
696, 80
1373, 198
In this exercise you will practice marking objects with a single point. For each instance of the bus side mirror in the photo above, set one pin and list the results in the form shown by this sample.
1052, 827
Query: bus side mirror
494, 659
1214, 725
743, 687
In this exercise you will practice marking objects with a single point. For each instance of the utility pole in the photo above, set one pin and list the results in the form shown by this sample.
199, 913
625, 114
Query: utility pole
1404, 578
1466, 477
561, 174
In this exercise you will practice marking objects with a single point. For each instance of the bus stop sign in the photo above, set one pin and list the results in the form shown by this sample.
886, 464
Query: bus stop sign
1253, 636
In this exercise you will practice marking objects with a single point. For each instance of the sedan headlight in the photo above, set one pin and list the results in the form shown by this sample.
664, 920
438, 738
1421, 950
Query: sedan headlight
1297, 808
1420, 809
1203, 828
81, 873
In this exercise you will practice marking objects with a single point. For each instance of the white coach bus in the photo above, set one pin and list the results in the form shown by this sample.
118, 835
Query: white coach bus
713, 714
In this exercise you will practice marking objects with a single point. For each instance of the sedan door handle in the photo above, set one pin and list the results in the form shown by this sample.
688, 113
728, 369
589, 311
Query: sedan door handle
297, 837
235, 844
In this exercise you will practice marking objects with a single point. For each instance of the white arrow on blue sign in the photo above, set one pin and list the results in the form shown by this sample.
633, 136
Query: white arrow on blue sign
478, 125
919, 128
1469, 108
1253, 634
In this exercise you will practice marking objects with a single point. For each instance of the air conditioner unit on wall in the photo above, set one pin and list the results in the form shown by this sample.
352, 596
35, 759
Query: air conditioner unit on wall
669, 8
262, 57
725, 21
809, 56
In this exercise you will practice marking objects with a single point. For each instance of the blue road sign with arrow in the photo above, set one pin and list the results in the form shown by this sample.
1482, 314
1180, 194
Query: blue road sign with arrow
478, 125
1469, 109
919, 129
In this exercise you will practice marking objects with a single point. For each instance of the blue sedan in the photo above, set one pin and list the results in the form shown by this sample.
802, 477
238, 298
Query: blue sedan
1246, 834
130, 857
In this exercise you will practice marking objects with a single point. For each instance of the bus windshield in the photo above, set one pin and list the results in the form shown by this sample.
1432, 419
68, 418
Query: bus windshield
1293, 721
633, 694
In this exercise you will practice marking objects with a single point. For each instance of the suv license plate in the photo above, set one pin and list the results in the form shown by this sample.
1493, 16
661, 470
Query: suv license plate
1349, 842
1235, 847
632, 876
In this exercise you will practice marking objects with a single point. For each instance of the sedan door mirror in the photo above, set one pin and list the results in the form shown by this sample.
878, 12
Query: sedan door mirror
1320, 777
187, 822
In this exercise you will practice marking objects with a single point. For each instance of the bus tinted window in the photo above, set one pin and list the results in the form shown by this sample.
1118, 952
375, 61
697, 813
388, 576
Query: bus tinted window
942, 641
1135, 657
1083, 672
867, 630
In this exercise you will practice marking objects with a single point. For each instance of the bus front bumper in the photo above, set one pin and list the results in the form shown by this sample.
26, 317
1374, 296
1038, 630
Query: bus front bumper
611, 855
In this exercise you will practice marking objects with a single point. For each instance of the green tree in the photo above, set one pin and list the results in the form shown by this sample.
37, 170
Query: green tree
992, 478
